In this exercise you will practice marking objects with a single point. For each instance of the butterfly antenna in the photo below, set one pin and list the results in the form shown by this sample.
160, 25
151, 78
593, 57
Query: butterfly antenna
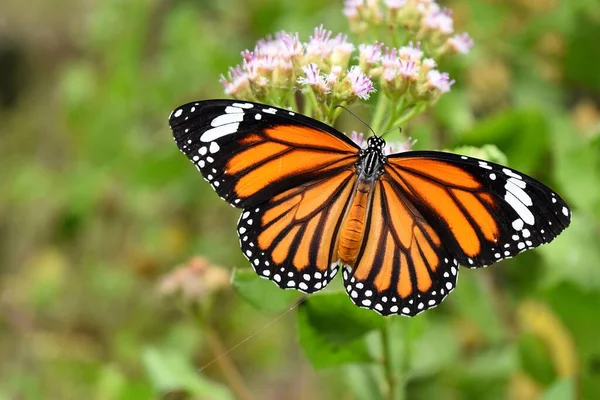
220, 356
390, 130
357, 117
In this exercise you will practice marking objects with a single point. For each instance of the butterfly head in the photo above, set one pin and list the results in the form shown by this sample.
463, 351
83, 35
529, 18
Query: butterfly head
375, 142
372, 159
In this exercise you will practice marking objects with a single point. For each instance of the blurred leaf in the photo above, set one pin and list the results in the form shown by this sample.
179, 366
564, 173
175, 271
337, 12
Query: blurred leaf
170, 370
474, 303
521, 134
331, 330
365, 381
262, 293
536, 360
577, 168
573, 256
454, 112
582, 54
576, 308
435, 349
493, 363
487, 152
561, 390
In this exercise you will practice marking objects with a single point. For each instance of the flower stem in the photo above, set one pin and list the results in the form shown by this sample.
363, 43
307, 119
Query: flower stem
382, 102
393, 375
405, 117
219, 351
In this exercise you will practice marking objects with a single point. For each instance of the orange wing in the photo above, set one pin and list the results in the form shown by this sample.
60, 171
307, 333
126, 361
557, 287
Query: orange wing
291, 238
432, 211
251, 152
482, 212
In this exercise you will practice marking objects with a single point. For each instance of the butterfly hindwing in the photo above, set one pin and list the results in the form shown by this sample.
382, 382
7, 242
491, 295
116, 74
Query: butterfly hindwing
291, 238
250, 152
403, 266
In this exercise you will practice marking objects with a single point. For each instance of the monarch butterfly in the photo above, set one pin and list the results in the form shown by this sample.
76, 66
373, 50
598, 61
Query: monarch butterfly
398, 226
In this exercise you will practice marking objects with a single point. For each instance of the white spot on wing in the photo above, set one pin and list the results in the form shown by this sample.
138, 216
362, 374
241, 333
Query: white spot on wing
214, 147
520, 208
519, 193
218, 132
243, 105
510, 173
233, 110
517, 224
227, 119
178, 113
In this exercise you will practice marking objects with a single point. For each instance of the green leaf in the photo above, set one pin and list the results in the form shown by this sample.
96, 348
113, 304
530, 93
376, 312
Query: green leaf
435, 348
474, 303
331, 330
563, 389
454, 112
536, 359
487, 152
261, 293
577, 168
573, 256
170, 370
521, 134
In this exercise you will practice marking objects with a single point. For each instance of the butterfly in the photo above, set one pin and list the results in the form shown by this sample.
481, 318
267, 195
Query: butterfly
398, 226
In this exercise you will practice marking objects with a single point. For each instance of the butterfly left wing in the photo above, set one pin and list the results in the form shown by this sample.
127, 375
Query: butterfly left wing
483, 212
432, 211
251, 152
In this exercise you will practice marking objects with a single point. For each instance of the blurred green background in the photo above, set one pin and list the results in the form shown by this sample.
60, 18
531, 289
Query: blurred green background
97, 207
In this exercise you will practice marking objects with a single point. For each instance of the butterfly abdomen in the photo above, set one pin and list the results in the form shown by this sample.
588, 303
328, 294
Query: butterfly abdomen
353, 227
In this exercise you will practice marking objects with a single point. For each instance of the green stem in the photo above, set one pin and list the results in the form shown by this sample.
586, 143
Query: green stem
219, 351
404, 118
393, 375
378, 116
293, 102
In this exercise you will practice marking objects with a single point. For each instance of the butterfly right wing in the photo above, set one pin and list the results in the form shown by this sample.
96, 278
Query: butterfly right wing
291, 238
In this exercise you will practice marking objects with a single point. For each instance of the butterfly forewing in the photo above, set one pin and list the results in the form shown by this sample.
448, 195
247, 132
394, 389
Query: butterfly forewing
251, 152
483, 212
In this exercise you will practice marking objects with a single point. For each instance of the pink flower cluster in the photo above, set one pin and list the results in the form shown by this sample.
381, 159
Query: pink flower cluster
404, 71
283, 64
423, 19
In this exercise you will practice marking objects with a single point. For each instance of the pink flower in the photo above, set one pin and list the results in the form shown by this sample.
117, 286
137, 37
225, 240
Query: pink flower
370, 53
360, 83
399, 147
313, 78
395, 4
439, 20
410, 52
237, 80
358, 138
461, 43
439, 80
409, 70
351, 8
